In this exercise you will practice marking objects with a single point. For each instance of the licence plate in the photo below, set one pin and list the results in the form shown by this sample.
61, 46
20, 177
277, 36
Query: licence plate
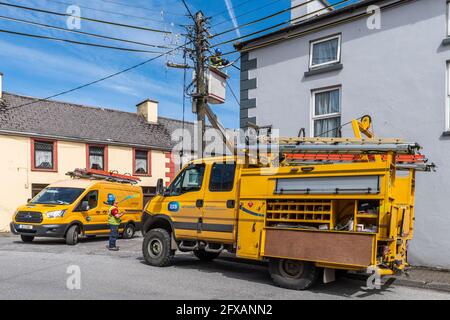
25, 226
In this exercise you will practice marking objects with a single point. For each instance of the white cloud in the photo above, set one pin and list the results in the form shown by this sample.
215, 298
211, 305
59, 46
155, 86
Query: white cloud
233, 16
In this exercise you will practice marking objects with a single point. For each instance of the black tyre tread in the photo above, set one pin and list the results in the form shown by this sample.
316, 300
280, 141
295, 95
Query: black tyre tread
124, 236
26, 238
206, 256
70, 234
167, 256
305, 282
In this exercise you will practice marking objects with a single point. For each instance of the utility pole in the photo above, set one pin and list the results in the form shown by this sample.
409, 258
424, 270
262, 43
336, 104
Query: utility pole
201, 47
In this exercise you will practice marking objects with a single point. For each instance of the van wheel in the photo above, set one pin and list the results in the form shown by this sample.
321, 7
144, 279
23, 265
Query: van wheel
293, 274
156, 248
27, 238
205, 255
129, 231
72, 235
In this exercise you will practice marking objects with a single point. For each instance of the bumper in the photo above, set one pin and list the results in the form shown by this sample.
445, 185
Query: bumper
41, 230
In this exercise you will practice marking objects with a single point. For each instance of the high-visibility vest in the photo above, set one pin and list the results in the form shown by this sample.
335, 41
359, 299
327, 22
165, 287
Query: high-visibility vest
111, 219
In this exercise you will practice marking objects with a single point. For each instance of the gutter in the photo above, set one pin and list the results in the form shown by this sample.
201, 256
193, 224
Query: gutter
82, 140
290, 31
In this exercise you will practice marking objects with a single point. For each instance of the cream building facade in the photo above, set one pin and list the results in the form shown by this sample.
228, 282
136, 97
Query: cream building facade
42, 140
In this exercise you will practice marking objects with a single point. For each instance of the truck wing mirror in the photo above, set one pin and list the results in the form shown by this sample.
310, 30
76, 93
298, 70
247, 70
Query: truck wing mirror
84, 206
160, 187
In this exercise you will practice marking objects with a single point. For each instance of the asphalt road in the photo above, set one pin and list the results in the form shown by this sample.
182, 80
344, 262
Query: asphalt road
39, 271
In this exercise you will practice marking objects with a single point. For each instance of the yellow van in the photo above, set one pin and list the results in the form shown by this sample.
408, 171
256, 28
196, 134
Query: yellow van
77, 207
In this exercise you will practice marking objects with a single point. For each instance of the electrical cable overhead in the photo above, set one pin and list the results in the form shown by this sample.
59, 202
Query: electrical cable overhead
109, 12
84, 18
248, 12
81, 32
279, 24
99, 80
141, 8
265, 18
75, 42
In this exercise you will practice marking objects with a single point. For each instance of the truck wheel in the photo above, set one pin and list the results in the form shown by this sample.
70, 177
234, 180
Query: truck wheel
156, 248
129, 231
205, 255
27, 238
72, 235
293, 274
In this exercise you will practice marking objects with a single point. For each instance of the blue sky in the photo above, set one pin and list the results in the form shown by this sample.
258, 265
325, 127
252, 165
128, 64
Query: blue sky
41, 68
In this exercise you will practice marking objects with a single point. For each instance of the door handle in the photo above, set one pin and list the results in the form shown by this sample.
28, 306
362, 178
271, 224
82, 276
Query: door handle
199, 203
231, 204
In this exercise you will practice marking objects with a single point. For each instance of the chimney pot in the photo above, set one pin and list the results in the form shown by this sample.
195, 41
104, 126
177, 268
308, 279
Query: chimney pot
149, 110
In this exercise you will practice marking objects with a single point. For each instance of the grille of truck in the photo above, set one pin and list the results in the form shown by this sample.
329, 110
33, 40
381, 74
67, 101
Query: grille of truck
29, 217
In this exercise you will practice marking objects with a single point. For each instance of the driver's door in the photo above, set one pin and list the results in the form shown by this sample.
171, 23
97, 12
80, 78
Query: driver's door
92, 222
184, 201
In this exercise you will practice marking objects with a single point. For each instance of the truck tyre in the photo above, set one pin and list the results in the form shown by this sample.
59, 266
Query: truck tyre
72, 235
156, 248
205, 255
293, 274
128, 231
27, 238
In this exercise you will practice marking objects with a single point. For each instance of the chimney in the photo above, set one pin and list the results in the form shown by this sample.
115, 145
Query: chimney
1, 85
149, 110
308, 9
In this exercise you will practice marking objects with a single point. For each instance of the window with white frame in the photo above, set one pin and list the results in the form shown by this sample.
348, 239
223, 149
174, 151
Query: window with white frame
326, 112
447, 102
325, 51
448, 19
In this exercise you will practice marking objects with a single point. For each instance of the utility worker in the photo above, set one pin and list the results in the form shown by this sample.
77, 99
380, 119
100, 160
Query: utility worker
113, 221
217, 61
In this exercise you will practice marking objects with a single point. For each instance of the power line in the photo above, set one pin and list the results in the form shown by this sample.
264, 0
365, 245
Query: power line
101, 79
109, 11
233, 7
265, 18
232, 92
248, 12
188, 10
85, 18
75, 42
82, 32
279, 24
141, 8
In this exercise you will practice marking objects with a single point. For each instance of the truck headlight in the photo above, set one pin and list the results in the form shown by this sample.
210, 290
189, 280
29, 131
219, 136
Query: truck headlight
55, 214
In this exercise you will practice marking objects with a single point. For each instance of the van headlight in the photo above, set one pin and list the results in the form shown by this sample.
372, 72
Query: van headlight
55, 214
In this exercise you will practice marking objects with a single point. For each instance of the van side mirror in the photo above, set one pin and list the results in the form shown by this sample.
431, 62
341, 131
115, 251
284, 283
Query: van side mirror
84, 206
160, 187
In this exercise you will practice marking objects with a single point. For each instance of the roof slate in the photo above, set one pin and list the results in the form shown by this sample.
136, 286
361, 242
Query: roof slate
79, 122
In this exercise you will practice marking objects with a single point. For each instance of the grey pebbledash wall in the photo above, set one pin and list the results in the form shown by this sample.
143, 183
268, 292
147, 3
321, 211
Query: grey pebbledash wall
396, 74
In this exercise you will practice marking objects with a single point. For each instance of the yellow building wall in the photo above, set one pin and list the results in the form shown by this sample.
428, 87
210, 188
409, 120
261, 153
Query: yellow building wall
16, 175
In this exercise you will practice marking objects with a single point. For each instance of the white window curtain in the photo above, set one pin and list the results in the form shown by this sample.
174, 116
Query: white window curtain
326, 51
43, 155
141, 165
96, 158
327, 116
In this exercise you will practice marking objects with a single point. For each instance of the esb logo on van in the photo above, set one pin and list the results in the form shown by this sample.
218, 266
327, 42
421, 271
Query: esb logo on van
174, 206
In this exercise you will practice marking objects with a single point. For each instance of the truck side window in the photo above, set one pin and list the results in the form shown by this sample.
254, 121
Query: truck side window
91, 199
189, 180
222, 177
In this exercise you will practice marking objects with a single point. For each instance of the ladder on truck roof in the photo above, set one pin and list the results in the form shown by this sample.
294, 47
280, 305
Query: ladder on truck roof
112, 176
312, 151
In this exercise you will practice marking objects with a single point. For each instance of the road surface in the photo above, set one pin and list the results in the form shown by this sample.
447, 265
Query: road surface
45, 269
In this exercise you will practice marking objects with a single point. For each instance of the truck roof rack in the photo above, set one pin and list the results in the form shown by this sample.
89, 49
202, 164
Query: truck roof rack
112, 176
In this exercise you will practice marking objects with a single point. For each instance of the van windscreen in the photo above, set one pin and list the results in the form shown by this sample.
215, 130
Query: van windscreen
57, 196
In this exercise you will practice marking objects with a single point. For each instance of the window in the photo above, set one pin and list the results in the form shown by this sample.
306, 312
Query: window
141, 162
448, 19
189, 180
57, 196
97, 158
91, 199
325, 51
43, 155
222, 177
326, 110
447, 107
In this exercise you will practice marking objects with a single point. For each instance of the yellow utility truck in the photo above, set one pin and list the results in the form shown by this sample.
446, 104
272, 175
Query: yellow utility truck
76, 207
330, 204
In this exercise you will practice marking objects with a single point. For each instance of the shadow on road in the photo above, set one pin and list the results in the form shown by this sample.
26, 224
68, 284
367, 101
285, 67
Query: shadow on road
255, 271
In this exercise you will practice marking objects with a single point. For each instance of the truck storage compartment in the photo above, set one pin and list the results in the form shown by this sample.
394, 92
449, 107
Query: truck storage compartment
328, 247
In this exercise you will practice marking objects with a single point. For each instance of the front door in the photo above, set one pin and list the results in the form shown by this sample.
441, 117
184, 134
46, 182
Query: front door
220, 208
184, 201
